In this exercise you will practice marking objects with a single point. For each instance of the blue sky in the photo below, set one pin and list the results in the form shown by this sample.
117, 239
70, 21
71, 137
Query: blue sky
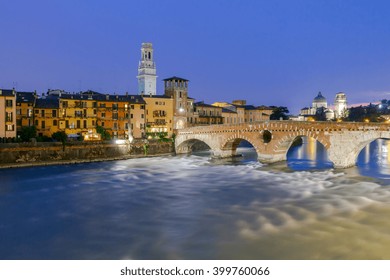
268, 52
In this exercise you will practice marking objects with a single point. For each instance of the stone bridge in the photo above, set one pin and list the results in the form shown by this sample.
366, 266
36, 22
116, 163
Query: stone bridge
272, 139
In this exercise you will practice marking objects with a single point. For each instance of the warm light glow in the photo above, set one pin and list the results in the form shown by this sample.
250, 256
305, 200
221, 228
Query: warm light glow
366, 120
120, 141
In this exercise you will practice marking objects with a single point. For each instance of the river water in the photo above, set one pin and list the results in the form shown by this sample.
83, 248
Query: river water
192, 207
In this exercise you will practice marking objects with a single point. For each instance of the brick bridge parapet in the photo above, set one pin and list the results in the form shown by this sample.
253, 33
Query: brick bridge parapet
343, 141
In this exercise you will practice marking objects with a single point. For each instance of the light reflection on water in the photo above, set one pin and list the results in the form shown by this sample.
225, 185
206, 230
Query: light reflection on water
191, 207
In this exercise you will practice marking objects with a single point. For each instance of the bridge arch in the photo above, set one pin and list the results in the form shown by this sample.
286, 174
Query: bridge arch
189, 145
231, 143
366, 143
285, 142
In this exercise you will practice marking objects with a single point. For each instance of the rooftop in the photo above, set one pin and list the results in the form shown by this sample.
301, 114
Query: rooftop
6, 92
175, 78
25, 97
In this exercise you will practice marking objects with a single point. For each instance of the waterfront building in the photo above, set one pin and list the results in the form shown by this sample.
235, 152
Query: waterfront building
229, 116
206, 114
46, 118
147, 71
244, 113
25, 109
159, 115
183, 105
7, 113
78, 113
122, 116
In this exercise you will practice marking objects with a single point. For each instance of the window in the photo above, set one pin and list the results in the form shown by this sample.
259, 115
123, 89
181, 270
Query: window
42, 113
43, 124
115, 116
67, 124
8, 103
18, 112
78, 123
93, 123
142, 116
115, 125
85, 123
78, 114
36, 122
94, 111
102, 105
54, 122
132, 106
64, 104
114, 106
131, 116
103, 124
10, 127
8, 117
37, 112
156, 103
142, 107
103, 114
54, 113
29, 112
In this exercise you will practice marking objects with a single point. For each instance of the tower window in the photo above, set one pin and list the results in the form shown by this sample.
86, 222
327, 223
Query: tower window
149, 55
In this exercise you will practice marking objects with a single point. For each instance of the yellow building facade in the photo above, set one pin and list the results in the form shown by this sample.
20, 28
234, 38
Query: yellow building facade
25, 102
159, 115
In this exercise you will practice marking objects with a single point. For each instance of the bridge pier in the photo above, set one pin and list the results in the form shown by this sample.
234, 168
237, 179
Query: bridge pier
219, 153
271, 158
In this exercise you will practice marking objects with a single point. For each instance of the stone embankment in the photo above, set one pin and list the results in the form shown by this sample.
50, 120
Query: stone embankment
38, 153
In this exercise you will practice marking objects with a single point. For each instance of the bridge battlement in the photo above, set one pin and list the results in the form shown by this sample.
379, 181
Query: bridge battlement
272, 139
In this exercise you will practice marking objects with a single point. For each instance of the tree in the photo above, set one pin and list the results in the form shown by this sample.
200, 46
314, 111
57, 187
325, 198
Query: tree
103, 132
320, 114
279, 113
61, 137
356, 114
27, 133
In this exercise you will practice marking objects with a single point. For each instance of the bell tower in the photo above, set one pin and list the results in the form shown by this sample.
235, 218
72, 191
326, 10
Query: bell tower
147, 71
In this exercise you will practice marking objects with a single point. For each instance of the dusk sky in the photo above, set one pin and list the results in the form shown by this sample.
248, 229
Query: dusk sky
267, 52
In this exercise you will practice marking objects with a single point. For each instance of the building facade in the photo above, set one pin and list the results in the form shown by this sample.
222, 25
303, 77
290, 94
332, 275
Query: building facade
340, 105
159, 115
183, 105
25, 109
7, 113
206, 114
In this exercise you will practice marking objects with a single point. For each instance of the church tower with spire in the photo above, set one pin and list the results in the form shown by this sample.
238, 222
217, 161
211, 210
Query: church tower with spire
147, 71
